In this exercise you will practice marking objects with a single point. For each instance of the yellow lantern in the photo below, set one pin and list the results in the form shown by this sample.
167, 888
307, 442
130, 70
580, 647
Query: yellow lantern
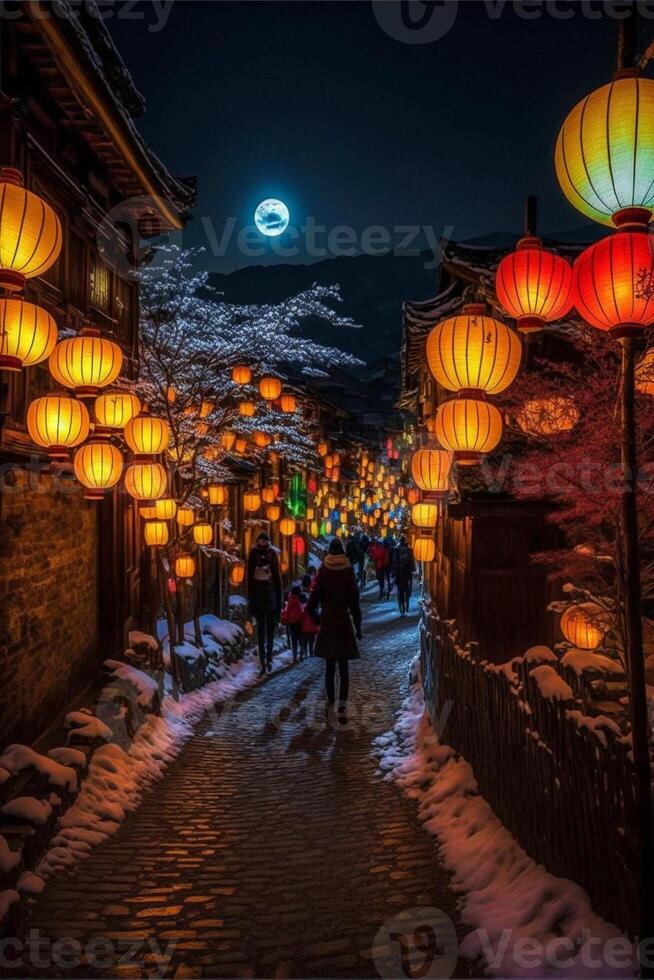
468, 428
261, 439
147, 435
156, 533
86, 362
114, 409
247, 409
251, 501
30, 232
98, 466
311, 513
185, 516
28, 334
268, 495
146, 481
185, 566
270, 388
425, 515
584, 625
287, 527
241, 374
57, 423
424, 549
148, 513
430, 469
288, 403
241, 445
218, 495
314, 529
322, 448
237, 573
227, 439
328, 527
203, 533
473, 352
206, 407
165, 508
273, 512
603, 153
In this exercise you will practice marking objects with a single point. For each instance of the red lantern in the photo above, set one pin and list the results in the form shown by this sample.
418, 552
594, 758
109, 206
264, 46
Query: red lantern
534, 285
614, 282
299, 546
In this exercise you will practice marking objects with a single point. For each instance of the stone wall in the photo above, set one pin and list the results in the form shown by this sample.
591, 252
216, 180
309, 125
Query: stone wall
48, 600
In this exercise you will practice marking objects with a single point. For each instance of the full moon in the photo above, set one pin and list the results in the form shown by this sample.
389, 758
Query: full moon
271, 217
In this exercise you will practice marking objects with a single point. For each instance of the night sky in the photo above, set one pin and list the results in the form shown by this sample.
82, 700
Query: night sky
314, 103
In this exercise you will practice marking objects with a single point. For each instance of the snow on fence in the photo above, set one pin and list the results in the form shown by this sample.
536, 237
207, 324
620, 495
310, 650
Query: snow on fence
560, 779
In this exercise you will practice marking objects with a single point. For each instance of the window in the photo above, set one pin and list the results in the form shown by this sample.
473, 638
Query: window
100, 284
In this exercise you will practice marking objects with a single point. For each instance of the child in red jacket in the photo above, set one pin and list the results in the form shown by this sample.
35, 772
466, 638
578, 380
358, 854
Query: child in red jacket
292, 615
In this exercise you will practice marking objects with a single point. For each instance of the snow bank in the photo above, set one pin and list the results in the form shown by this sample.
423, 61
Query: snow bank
581, 660
507, 899
550, 685
82, 724
28, 808
221, 630
148, 689
17, 758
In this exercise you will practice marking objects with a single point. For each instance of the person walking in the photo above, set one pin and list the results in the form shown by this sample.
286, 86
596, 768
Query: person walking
389, 544
404, 567
354, 554
292, 614
379, 556
337, 595
363, 541
265, 596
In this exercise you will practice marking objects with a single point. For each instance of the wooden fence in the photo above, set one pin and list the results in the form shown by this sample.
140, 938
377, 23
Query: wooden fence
558, 778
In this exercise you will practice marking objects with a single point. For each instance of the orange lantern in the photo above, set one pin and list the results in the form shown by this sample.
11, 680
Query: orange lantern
425, 514
114, 409
424, 549
251, 501
147, 435
146, 481
185, 516
241, 374
288, 403
548, 416
287, 527
185, 566
28, 334
98, 466
206, 407
322, 448
283, 566
270, 388
241, 445
247, 409
237, 573
165, 508
218, 495
227, 439
261, 439
584, 625
269, 494
413, 495
273, 512
613, 281
430, 469
156, 533
30, 232
473, 352
202, 533
148, 513
57, 423
469, 428
533, 285
86, 362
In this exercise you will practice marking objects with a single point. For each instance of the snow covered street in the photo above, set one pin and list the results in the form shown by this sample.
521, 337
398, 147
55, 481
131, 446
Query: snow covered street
270, 847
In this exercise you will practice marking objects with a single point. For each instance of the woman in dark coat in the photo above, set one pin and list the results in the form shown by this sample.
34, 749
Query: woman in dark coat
337, 595
265, 596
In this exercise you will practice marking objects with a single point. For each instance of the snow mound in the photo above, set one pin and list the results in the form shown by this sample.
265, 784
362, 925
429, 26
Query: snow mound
17, 758
148, 689
550, 685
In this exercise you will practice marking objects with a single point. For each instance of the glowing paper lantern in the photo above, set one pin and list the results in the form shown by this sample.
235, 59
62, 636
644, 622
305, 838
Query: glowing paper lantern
185, 516
147, 512
203, 533
251, 501
30, 232
28, 334
240, 445
114, 409
185, 566
165, 508
247, 409
237, 573
147, 435
604, 151
218, 495
473, 352
206, 408
534, 285
241, 374
156, 533
425, 515
273, 512
548, 416
288, 403
299, 545
287, 527
86, 362
430, 469
98, 466
645, 373
146, 481
584, 625
614, 280
322, 448
57, 423
270, 388
227, 439
424, 549
261, 439
268, 494
468, 428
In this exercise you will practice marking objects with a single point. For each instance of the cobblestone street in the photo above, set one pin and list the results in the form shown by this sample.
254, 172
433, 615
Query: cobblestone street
270, 848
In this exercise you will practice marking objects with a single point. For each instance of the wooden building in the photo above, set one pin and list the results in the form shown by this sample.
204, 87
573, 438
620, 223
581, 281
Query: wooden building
69, 569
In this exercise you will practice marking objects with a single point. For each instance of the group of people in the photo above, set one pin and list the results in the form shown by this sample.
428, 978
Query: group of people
392, 561
322, 612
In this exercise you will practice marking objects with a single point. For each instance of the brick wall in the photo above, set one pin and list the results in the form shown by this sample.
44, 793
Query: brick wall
48, 601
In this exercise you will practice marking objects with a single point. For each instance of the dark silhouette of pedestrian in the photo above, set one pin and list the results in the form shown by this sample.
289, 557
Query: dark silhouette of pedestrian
379, 556
292, 614
389, 545
265, 596
337, 595
404, 567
